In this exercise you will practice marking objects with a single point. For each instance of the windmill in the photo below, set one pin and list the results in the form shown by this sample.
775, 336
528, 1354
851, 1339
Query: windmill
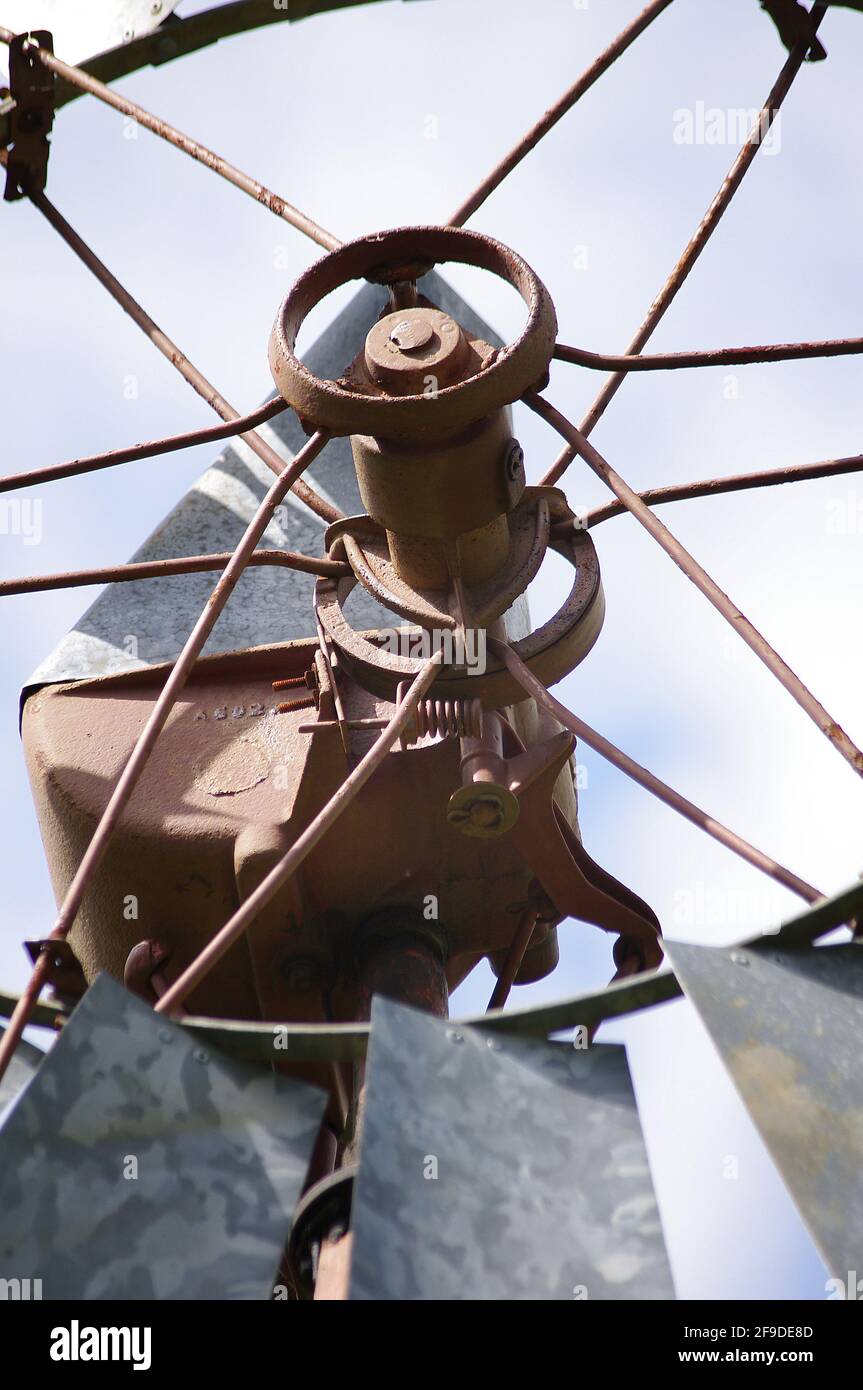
345, 804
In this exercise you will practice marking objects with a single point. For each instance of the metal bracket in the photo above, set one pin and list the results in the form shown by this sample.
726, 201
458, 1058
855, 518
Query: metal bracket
65, 973
31, 117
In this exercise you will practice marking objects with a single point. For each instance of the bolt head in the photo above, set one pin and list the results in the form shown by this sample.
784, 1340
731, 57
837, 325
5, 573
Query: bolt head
483, 809
406, 347
485, 814
514, 461
410, 334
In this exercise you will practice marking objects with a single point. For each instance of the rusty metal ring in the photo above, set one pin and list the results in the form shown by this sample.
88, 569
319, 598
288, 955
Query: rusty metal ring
389, 274
367, 553
550, 652
330, 405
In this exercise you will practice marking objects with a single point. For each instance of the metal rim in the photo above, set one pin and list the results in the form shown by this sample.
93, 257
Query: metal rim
365, 546
551, 651
330, 405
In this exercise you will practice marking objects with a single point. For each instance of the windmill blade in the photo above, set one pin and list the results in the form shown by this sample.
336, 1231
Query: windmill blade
138, 1165
788, 1024
82, 31
500, 1169
21, 1070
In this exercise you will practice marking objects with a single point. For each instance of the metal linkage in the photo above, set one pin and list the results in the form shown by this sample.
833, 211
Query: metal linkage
212, 434
560, 108
712, 827
177, 358
711, 357
156, 722
159, 569
699, 240
734, 482
515, 956
79, 78
31, 118
303, 845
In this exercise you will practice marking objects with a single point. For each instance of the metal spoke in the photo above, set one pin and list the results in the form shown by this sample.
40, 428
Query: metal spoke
560, 108
303, 845
158, 717
639, 774
159, 569
702, 580
712, 357
515, 956
177, 358
212, 434
699, 240
734, 482
79, 78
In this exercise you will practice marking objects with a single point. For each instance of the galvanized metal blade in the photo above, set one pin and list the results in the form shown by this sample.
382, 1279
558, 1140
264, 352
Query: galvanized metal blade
500, 1169
21, 1069
82, 31
788, 1025
138, 1165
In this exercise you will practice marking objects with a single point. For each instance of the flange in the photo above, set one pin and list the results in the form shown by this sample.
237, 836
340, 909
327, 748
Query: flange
519, 367
365, 545
551, 651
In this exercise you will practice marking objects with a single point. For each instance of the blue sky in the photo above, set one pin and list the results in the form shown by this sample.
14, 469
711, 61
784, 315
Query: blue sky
390, 114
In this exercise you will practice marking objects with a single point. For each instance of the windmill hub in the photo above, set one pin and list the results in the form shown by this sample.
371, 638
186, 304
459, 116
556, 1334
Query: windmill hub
473, 812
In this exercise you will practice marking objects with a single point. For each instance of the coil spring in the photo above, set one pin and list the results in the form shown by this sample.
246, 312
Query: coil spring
449, 718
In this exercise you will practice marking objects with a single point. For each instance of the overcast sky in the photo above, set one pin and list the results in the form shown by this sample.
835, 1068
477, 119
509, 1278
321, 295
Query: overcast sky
390, 114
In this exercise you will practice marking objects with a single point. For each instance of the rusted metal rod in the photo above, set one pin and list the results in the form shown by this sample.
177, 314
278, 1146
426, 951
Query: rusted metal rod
702, 581
560, 108
639, 774
713, 487
178, 359
159, 569
129, 777
79, 78
515, 956
699, 240
712, 357
303, 845
169, 445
